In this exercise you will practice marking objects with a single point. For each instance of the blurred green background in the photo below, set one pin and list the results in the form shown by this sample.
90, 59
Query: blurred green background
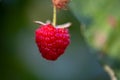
85, 56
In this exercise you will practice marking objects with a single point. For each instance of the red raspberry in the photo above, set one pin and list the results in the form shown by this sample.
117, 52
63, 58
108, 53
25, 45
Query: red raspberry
60, 4
52, 41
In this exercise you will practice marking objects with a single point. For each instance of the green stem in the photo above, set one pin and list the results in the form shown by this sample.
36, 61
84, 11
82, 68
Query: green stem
54, 16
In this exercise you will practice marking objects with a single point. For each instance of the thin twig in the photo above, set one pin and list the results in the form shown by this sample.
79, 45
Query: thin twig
110, 72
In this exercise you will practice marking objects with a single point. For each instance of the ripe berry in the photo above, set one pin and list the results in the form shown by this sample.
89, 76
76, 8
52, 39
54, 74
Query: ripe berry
60, 4
52, 41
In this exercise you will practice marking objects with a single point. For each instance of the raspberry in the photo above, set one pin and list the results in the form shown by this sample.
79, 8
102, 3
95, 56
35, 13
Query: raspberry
52, 41
60, 4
